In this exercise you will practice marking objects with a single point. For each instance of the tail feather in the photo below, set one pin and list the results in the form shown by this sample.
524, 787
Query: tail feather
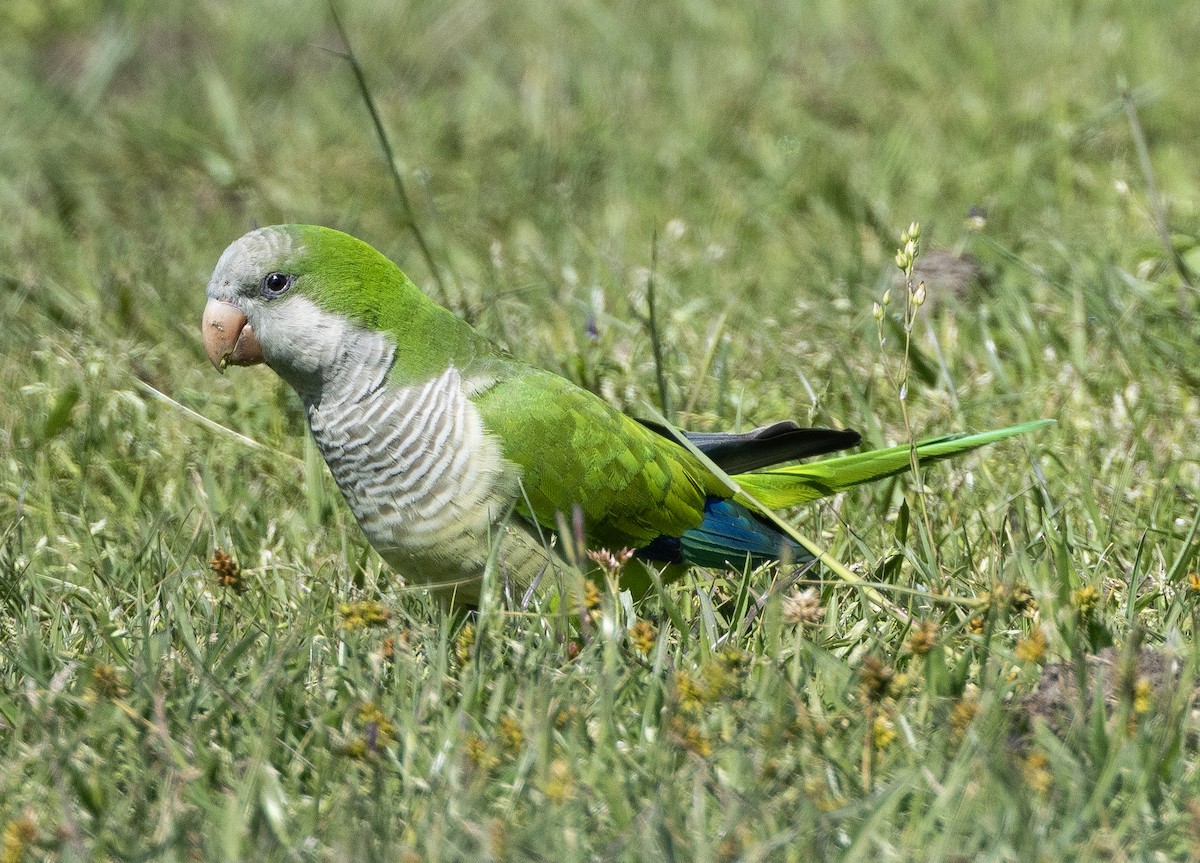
796, 484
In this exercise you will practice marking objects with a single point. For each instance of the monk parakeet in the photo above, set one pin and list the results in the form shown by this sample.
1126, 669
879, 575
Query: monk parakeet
449, 452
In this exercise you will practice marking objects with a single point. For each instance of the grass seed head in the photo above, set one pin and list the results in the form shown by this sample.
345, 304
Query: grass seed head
364, 614
803, 608
1033, 648
643, 636
228, 573
923, 638
876, 679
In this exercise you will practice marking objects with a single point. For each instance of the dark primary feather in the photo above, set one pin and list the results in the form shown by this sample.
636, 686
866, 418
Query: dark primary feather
765, 446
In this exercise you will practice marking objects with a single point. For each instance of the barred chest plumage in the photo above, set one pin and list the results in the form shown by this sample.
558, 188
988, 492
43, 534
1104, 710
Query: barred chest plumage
425, 480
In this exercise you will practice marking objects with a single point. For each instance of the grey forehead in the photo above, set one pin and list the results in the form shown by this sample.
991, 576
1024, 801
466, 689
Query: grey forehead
250, 257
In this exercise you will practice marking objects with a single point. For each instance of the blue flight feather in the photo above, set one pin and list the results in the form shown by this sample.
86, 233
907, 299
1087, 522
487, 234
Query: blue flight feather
729, 533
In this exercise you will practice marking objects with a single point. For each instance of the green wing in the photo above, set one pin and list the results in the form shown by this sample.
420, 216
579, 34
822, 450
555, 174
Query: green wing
575, 449
632, 484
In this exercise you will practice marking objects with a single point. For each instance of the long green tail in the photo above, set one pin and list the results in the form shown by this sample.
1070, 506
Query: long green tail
788, 486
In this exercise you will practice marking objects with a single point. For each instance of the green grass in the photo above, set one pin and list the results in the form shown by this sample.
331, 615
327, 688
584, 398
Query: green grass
773, 152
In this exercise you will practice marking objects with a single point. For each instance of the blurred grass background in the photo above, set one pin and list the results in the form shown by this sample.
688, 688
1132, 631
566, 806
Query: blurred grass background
310, 708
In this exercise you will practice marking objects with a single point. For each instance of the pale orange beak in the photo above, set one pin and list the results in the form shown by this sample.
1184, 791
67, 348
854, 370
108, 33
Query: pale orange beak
228, 337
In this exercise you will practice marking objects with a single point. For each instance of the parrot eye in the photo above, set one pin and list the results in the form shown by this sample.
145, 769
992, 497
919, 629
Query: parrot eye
274, 284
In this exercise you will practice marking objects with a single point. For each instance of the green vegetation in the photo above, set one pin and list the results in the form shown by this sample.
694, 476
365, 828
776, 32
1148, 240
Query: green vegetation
201, 659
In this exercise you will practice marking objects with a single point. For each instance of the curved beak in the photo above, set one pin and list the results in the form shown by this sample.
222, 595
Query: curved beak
228, 337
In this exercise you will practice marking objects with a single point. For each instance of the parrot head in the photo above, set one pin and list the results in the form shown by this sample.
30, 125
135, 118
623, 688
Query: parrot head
289, 295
